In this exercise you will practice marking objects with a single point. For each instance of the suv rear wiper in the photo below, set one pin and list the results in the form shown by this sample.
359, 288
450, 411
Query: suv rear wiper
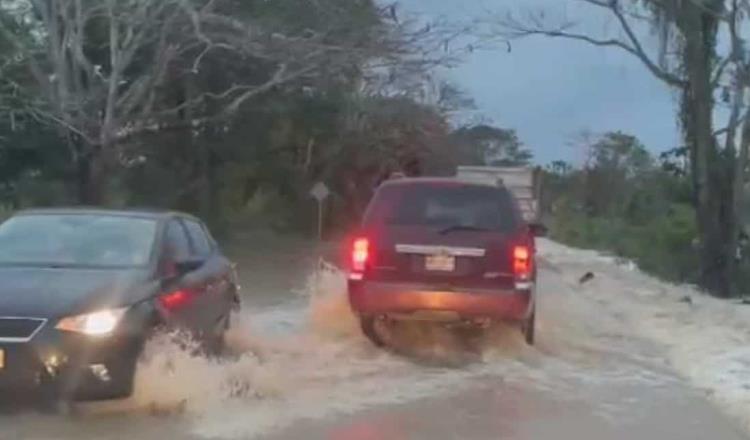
453, 228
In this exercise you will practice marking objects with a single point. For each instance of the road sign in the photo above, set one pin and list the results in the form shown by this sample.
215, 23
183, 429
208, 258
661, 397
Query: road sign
320, 191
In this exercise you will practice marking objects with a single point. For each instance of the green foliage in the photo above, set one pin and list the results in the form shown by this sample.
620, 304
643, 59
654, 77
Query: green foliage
346, 17
624, 204
662, 245
5, 212
617, 164
261, 158
33, 163
487, 145
228, 109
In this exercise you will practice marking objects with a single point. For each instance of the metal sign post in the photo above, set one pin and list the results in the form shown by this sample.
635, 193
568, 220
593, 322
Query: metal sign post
320, 192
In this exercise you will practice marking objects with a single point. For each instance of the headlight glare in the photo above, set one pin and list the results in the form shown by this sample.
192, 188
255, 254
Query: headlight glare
99, 323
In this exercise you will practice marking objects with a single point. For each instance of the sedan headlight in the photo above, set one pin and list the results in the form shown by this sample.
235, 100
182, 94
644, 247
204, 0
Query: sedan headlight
100, 323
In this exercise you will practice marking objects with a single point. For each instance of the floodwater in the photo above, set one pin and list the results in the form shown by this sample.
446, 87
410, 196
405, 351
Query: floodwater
300, 369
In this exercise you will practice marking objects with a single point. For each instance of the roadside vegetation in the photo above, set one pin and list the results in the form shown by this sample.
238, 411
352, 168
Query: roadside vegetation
230, 110
703, 57
627, 202
233, 110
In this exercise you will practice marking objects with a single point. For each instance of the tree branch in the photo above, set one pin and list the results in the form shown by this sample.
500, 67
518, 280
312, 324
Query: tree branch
633, 46
719, 72
39, 115
638, 48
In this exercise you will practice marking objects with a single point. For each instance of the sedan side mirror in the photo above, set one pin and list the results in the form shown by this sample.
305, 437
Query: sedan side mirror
189, 265
538, 229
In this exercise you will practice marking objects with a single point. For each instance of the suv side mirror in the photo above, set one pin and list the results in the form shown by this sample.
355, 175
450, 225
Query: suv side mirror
538, 229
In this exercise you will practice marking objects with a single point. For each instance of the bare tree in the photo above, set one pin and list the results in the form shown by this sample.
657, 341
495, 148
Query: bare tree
106, 68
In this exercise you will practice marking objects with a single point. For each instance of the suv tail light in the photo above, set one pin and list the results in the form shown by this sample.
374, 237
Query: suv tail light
360, 257
522, 263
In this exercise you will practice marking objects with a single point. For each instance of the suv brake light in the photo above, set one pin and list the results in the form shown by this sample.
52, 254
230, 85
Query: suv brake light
360, 257
522, 263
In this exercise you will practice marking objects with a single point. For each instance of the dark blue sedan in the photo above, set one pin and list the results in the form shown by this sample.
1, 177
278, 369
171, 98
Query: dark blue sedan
81, 291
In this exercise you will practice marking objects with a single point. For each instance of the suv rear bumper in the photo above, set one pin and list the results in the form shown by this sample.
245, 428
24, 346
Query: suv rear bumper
379, 298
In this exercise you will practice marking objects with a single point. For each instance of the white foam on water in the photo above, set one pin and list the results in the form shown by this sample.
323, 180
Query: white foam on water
308, 360
706, 340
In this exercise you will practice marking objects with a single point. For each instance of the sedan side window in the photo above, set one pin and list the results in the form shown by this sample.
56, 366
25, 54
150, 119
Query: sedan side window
201, 243
177, 244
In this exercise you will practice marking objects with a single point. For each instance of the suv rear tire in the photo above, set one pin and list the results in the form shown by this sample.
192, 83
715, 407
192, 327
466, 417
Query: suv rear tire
369, 329
529, 328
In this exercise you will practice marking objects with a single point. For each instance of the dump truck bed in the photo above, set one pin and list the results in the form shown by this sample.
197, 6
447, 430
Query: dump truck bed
523, 182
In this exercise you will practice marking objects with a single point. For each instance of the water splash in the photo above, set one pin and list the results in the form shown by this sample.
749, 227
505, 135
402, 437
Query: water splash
308, 359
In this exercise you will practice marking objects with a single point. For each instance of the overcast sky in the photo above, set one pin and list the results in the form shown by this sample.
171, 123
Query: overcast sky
550, 89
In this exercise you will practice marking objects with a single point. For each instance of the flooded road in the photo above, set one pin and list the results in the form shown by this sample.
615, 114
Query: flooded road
300, 369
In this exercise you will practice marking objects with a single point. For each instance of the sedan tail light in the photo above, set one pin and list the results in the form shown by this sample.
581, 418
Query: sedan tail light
175, 300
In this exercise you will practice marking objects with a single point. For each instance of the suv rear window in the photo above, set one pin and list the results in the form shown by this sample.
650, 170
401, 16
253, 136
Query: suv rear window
441, 205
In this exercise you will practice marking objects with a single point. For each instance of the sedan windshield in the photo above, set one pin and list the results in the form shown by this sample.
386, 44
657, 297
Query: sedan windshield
77, 240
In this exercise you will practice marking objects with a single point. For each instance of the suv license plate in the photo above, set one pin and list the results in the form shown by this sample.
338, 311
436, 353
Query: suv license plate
440, 263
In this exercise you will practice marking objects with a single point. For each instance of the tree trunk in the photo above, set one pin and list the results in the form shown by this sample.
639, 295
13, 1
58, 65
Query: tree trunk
740, 174
91, 171
82, 173
713, 207
739, 154
95, 178
212, 193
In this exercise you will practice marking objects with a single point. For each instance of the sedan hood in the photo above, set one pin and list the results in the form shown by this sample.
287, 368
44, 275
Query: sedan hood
53, 293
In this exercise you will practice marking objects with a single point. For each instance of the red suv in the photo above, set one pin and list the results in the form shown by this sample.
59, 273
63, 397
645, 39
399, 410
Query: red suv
439, 249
